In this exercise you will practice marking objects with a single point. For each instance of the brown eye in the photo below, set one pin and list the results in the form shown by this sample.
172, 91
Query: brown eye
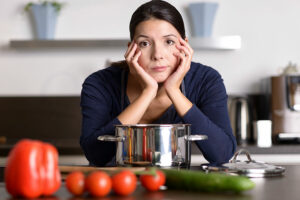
170, 42
144, 44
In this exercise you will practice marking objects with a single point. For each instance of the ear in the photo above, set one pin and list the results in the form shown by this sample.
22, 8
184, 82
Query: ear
186, 39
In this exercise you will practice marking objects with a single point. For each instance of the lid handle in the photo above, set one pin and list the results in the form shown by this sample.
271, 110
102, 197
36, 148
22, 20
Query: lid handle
234, 160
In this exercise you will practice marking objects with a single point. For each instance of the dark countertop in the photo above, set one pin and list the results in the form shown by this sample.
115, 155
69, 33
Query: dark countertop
284, 187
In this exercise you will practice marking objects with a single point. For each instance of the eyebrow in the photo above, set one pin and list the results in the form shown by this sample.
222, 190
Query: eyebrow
172, 35
145, 36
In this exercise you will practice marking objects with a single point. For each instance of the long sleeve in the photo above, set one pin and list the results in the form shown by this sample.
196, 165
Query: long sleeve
209, 116
100, 106
98, 118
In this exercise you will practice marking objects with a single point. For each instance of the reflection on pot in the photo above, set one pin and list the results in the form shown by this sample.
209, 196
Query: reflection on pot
163, 145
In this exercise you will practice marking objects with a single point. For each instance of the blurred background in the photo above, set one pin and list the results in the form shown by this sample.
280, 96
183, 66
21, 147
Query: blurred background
42, 83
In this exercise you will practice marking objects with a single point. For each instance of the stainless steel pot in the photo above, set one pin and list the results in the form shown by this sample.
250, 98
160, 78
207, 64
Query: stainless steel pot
163, 145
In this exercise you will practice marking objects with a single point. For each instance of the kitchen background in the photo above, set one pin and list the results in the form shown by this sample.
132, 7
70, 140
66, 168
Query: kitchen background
268, 28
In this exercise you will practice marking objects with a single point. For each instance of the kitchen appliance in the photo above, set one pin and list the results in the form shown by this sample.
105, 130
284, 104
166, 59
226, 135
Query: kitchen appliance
163, 145
286, 108
240, 118
262, 132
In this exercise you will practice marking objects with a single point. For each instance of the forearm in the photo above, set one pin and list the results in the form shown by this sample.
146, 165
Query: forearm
98, 153
220, 145
135, 111
181, 103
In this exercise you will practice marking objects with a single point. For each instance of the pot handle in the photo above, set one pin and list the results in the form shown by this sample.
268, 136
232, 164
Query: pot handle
110, 138
195, 137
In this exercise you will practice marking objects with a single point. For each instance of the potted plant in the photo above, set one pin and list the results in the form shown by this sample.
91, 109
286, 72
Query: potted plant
202, 15
44, 14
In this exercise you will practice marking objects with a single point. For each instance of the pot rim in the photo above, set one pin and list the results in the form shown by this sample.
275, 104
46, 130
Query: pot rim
150, 125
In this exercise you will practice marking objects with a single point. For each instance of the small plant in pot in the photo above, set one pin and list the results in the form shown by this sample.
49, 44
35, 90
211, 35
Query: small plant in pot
44, 15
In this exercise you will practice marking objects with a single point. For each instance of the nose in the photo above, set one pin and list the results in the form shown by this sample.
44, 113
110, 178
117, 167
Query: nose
157, 52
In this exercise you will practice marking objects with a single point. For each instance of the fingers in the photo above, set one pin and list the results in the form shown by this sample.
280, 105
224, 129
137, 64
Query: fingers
131, 56
187, 45
136, 57
184, 51
184, 55
131, 51
185, 48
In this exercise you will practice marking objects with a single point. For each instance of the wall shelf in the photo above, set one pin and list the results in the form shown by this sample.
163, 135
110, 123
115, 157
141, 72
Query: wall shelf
76, 43
216, 43
212, 43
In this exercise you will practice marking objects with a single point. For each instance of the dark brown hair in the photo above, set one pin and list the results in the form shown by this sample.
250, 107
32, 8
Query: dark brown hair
156, 9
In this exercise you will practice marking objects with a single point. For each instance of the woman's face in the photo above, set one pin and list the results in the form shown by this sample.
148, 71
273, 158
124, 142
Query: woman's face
157, 39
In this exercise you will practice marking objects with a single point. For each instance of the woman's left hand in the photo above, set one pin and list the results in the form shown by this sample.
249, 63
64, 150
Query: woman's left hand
184, 57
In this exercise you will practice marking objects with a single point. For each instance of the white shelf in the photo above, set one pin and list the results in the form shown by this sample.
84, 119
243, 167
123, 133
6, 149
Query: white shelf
74, 43
213, 43
216, 43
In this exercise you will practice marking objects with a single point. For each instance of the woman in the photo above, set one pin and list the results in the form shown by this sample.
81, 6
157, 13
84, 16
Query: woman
157, 84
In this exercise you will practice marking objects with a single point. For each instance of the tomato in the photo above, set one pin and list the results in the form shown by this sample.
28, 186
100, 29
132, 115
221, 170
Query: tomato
98, 184
153, 183
75, 183
124, 183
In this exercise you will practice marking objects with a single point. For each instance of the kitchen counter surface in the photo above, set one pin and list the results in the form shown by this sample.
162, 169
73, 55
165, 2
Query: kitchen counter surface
254, 149
284, 187
71, 147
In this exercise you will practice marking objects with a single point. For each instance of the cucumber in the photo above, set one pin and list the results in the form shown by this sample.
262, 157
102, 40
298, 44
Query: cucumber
206, 182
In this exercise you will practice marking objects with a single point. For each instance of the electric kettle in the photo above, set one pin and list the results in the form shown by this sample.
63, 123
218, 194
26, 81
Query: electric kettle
240, 118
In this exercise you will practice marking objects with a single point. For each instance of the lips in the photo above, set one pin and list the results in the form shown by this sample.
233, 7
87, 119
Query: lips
159, 68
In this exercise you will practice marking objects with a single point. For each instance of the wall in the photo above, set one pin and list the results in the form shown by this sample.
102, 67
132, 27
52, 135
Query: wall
268, 28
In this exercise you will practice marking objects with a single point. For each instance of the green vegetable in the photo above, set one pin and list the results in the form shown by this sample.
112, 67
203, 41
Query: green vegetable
206, 182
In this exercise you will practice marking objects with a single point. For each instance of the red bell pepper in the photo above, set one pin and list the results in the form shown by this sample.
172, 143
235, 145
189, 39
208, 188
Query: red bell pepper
32, 169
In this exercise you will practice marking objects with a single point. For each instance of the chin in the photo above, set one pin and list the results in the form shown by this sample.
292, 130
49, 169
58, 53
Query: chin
160, 79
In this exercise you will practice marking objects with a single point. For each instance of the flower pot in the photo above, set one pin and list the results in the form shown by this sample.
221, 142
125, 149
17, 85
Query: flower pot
44, 21
202, 18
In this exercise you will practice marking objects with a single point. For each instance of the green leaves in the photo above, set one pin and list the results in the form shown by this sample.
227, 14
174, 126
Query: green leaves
57, 5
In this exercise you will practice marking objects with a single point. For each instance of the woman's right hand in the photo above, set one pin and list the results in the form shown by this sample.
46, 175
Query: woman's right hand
136, 110
146, 81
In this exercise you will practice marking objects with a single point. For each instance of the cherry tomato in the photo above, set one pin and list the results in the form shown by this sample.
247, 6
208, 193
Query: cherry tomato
98, 184
153, 183
75, 183
124, 183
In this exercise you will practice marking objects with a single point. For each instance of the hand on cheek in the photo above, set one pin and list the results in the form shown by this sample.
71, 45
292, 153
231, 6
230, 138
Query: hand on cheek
132, 56
184, 55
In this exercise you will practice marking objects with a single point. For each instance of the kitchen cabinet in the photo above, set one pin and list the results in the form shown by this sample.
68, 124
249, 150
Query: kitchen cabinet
211, 43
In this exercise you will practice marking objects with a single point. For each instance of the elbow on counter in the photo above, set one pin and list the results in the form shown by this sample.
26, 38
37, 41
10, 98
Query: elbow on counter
218, 154
96, 152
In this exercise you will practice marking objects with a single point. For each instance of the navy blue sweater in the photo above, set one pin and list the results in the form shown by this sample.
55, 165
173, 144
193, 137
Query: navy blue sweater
101, 104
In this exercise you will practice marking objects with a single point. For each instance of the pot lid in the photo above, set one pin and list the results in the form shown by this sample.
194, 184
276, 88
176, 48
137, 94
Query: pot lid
248, 168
